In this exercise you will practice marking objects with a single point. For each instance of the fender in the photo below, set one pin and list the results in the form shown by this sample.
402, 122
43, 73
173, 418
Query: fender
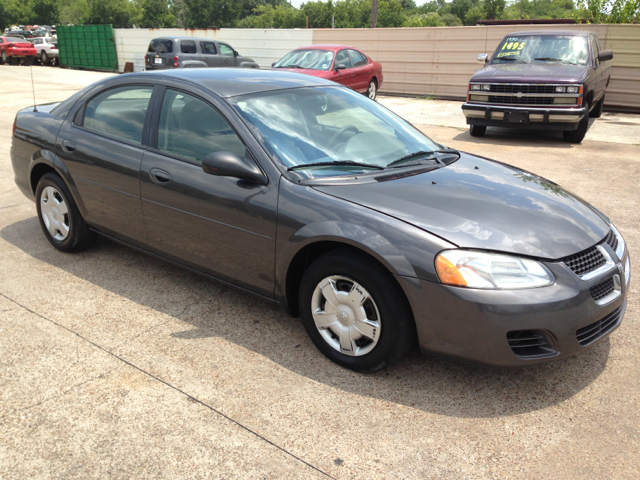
248, 65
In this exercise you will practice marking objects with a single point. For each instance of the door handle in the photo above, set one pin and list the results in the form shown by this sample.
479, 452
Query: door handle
68, 146
159, 176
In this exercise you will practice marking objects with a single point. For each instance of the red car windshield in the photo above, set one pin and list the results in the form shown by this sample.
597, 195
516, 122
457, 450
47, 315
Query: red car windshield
312, 59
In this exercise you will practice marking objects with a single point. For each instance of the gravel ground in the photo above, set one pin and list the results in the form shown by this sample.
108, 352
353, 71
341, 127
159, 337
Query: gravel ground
113, 364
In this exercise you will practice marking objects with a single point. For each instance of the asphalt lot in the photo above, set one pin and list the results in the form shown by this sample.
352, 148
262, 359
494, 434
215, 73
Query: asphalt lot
113, 364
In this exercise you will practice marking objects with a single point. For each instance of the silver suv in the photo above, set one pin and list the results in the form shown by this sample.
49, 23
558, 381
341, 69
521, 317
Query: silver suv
190, 52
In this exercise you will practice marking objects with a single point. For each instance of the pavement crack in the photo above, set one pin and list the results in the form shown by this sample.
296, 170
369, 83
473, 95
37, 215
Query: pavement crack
14, 205
158, 379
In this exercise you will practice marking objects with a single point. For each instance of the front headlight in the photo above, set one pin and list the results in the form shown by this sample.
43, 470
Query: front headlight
475, 87
572, 89
467, 268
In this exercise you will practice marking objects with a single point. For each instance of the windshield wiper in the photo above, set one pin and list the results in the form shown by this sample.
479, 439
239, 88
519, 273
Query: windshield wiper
337, 163
421, 153
511, 58
551, 59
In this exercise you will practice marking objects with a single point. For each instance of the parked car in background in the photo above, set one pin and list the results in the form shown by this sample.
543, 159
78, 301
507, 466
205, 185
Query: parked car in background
190, 52
339, 63
545, 80
14, 50
47, 49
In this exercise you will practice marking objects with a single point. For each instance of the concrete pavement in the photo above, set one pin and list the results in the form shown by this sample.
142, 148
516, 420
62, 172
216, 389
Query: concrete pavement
113, 364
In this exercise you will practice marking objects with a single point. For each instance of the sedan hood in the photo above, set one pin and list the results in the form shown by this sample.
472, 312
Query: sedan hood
532, 73
482, 204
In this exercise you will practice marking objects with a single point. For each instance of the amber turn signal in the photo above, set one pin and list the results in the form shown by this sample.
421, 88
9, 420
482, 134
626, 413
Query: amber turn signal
448, 273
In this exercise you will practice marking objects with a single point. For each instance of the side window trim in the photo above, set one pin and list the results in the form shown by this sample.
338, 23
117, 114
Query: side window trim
78, 119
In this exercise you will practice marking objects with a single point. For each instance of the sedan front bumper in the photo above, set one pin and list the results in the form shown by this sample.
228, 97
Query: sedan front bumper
531, 117
515, 327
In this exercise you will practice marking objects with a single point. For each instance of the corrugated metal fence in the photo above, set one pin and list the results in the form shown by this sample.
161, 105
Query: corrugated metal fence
416, 61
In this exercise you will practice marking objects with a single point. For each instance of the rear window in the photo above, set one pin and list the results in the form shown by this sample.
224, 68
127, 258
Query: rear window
14, 40
188, 46
161, 45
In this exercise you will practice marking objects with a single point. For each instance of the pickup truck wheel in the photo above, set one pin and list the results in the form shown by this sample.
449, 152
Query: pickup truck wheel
477, 130
597, 110
576, 136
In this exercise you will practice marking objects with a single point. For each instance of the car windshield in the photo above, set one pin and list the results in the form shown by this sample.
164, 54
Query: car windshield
161, 45
312, 59
543, 49
335, 126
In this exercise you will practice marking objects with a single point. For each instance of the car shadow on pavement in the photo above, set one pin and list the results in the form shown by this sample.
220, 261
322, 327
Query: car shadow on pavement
205, 309
520, 137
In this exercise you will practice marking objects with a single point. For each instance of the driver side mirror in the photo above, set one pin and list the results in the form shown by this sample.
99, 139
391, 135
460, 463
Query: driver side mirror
227, 164
340, 66
273, 64
235, 54
605, 55
483, 58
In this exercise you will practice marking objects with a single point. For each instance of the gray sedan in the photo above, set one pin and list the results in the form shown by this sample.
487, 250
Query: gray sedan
312, 196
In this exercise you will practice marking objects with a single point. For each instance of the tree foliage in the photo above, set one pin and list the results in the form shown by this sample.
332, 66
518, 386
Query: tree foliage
281, 14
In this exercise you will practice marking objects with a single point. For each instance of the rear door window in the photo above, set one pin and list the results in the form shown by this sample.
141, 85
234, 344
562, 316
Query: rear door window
188, 46
208, 48
358, 58
119, 112
161, 45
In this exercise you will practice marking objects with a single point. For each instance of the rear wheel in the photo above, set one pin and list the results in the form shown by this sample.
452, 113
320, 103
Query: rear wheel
372, 91
597, 110
44, 58
59, 216
477, 130
577, 135
355, 312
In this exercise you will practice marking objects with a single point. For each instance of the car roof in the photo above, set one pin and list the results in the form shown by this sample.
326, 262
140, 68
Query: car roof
229, 82
326, 46
571, 33
188, 38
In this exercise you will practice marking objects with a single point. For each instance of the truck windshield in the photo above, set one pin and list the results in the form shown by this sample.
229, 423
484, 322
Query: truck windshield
543, 49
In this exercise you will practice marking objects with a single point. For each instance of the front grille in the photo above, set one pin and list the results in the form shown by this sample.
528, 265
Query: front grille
611, 240
530, 344
602, 289
396, 176
521, 100
539, 89
585, 261
599, 329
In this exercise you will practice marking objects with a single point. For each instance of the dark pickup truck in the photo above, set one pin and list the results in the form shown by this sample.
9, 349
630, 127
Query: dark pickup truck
545, 80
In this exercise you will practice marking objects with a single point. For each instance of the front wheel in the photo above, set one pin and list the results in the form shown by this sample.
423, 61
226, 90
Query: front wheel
477, 130
59, 216
577, 135
355, 312
372, 91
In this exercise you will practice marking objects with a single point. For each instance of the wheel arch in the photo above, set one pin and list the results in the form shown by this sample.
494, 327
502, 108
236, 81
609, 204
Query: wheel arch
37, 172
385, 255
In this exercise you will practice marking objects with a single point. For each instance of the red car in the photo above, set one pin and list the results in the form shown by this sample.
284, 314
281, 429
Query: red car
13, 49
340, 63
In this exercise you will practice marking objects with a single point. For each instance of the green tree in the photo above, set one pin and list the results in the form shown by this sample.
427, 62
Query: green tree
210, 13
73, 12
424, 20
156, 14
45, 12
119, 13
493, 8
474, 14
450, 20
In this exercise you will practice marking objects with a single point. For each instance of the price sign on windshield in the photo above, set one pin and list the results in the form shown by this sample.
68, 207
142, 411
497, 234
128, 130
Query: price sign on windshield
511, 46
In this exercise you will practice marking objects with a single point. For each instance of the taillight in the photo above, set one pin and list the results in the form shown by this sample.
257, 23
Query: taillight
11, 45
13, 131
175, 59
53, 47
176, 64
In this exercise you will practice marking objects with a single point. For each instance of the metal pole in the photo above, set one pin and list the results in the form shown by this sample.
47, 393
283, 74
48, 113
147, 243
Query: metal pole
333, 21
374, 13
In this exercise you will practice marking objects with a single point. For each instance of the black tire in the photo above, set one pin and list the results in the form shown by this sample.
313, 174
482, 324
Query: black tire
576, 136
44, 58
477, 130
597, 110
397, 327
79, 236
